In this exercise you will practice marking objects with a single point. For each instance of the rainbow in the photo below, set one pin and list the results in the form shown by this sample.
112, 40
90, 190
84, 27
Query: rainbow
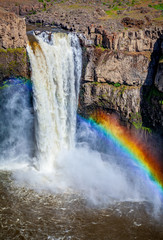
108, 126
16, 81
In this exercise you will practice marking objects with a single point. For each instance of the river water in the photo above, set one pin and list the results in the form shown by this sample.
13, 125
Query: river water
26, 214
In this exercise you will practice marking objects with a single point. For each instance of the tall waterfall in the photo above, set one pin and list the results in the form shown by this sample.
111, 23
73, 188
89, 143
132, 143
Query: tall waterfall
56, 62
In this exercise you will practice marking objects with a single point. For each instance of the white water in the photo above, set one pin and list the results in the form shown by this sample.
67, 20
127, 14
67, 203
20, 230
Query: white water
16, 127
56, 71
63, 164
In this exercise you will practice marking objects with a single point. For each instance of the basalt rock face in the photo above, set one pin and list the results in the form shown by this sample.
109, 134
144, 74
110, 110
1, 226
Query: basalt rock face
123, 68
112, 82
122, 100
122, 82
13, 40
131, 41
12, 30
152, 102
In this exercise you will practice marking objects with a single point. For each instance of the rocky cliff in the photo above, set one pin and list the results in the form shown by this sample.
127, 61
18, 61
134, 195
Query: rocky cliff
129, 40
122, 58
13, 40
121, 52
128, 83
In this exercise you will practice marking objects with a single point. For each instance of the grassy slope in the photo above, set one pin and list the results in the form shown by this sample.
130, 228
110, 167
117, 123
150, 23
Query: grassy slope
118, 9
115, 9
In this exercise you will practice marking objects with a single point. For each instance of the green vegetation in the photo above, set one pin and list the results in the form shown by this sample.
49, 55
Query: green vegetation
77, 6
99, 46
116, 84
161, 59
154, 92
96, 83
116, 8
113, 11
136, 120
38, 24
159, 18
32, 12
44, 3
14, 51
44, 9
4, 84
112, 4
146, 129
13, 61
157, 7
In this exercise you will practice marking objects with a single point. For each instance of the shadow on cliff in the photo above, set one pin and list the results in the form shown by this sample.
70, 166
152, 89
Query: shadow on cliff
151, 99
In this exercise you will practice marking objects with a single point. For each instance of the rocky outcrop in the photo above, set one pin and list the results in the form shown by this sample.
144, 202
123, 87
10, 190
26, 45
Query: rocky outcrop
118, 67
129, 40
112, 35
13, 62
12, 30
120, 58
123, 100
130, 22
123, 82
13, 40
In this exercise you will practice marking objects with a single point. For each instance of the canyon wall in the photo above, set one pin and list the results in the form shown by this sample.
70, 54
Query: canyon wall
124, 75
121, 69
122, 61
13, 40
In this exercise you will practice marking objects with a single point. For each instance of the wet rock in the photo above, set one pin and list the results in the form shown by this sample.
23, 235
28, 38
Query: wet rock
37, 32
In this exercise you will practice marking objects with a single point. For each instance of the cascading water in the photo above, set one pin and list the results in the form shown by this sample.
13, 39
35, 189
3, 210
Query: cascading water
72, 172
56, 71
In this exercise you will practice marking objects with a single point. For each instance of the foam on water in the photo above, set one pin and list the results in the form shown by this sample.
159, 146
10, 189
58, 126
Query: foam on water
56, 70
65, 159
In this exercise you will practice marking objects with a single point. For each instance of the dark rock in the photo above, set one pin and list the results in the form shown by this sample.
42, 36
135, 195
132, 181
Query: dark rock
130, 22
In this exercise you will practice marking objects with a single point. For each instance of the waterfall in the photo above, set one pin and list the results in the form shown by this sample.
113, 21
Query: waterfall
89, 165
56, 62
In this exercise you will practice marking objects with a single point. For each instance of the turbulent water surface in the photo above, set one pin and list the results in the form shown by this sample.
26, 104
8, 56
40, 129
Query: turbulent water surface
26, 214
59, 179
